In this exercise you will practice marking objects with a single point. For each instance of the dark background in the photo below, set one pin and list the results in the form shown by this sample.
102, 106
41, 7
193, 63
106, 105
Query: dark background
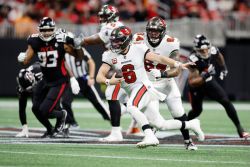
236, 52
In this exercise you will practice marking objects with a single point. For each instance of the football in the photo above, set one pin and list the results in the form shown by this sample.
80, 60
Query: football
111, 73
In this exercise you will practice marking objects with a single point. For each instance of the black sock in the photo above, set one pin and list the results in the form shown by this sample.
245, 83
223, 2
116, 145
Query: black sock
184, 132
115, 112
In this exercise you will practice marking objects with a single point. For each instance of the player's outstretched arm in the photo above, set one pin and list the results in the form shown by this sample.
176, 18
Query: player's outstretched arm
91, 64
26, 57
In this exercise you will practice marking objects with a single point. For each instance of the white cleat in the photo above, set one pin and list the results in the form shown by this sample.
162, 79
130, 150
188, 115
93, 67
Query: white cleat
148, 141
24, 132
189, 145
112, 137
196, 128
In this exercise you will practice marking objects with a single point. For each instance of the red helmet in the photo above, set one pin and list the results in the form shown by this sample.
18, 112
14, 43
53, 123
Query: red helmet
120, 39
108, 14
156, 30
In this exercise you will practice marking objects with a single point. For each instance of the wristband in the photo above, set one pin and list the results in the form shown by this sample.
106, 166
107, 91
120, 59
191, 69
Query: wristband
164, 74
107, 82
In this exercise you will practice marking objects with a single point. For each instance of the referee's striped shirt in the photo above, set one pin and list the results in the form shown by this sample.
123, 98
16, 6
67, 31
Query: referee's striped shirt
79, 68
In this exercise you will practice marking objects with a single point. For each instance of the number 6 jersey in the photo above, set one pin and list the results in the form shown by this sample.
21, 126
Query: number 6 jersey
51, 56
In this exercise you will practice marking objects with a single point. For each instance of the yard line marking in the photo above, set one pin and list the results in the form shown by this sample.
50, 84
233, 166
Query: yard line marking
87, 104
130, 158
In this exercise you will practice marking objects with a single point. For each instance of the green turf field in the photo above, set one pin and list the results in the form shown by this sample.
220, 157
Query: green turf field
36, 152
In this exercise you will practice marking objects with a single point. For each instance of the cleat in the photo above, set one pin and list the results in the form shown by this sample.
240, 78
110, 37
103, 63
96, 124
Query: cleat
112, 138
65, 131
24, 132
148, 141
189, 145
48, 134
196, 128
244, 135
74, 126
60, 124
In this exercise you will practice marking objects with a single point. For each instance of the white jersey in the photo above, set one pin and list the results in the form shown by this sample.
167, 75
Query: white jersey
165, 48
132, 66
106, 30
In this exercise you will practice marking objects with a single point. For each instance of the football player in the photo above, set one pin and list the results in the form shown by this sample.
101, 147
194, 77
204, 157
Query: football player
50, 47
161, 75
129, 58
202, 81
109, 20
27, 79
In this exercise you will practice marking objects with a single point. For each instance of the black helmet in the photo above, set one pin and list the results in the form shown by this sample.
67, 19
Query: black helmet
202, 46
156, 30
108, 14
120, 39
201, 42
27, 78
46, 29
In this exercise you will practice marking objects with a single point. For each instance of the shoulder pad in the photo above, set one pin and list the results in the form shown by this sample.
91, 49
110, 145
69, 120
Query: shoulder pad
33, 36
193, 58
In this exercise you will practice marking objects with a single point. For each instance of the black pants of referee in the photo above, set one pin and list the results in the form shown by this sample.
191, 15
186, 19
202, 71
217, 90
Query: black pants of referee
90, 93
46, 102
215, 92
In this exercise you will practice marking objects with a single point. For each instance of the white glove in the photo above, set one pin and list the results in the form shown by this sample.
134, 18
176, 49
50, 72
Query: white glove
155, 73
78, 40
21, 57
223, 74
74, 86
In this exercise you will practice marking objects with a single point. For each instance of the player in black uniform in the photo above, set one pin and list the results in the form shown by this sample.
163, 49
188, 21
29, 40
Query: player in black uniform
202, 81
50, 48
27, 79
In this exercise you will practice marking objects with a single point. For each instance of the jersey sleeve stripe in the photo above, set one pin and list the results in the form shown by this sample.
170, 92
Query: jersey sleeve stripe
146, 53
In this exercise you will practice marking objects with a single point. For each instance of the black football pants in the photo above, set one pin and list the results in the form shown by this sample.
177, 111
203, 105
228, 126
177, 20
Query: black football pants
215, 92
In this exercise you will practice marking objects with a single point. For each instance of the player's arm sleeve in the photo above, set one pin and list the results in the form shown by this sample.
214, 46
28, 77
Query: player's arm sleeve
104, 34
106, 59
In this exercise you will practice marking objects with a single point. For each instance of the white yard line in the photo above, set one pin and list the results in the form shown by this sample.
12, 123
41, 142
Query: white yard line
127, 157
86, 104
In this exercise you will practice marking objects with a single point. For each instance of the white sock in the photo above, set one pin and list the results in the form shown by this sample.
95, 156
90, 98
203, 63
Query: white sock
139, 117
171, 124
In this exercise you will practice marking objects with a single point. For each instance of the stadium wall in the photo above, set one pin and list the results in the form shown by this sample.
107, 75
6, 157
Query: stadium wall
236, 55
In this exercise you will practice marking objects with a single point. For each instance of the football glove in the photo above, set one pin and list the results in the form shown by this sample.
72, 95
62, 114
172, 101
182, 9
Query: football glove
207, 75
74, 86
21, 57
223, 74
78, 40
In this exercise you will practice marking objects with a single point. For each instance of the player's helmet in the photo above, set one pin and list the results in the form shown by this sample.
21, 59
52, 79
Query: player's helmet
202, 46
27, 78
156, 30
120, 39
46, 29
108, 14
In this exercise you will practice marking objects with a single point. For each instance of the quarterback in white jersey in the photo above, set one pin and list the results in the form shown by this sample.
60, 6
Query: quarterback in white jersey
129, 58
161, 75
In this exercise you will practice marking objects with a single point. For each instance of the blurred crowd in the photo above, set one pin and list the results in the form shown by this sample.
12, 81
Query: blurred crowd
23, 13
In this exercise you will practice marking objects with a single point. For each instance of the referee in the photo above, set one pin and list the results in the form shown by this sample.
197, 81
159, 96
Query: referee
84, 72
